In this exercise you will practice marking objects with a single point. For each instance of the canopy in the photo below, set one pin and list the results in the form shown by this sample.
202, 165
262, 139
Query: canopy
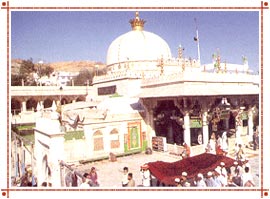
166, 172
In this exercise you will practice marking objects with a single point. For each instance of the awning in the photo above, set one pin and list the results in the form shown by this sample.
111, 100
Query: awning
166, 172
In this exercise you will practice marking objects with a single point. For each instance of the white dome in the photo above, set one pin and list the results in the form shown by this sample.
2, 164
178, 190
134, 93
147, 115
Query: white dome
137, 45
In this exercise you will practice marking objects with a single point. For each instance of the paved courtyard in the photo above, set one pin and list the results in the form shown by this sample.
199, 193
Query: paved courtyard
110, 173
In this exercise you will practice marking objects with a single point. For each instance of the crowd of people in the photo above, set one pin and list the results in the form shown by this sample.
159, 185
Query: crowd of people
235, 176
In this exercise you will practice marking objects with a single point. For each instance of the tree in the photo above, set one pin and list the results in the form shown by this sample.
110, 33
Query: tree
26, 71
84, 76
44, 70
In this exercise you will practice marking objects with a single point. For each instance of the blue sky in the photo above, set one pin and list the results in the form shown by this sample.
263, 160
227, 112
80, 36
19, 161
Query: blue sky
55, 36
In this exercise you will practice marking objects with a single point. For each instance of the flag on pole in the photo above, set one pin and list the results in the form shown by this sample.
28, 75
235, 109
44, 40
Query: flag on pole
195, 39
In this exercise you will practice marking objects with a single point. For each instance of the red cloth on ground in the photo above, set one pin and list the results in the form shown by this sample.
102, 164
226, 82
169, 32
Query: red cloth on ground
166, 172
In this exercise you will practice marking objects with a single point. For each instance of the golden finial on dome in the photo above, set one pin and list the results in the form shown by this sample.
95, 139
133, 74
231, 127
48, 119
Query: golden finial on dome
137, 23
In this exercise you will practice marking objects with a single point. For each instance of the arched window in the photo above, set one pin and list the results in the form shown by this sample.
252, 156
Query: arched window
47, 103
98, 141
31, 104
79, 99
114, 137
15, 106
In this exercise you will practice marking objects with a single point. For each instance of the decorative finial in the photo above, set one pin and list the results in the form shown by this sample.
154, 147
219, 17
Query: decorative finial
137, 23
137, 15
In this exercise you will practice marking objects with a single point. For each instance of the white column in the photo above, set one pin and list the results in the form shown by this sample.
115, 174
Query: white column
23, 106
187, 129
250, 125
205, 129
150, 128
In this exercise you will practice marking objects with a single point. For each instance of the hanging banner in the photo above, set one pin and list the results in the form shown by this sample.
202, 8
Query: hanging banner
195, 123
244, 115
225, 114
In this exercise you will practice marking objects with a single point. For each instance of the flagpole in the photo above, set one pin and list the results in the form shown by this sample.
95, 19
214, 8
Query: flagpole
198, 41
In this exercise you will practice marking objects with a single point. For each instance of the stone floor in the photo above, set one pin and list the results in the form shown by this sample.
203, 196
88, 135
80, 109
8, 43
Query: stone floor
110, 173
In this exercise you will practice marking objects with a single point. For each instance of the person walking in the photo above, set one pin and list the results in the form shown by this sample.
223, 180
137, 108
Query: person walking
240, 154
224, 145
255, 140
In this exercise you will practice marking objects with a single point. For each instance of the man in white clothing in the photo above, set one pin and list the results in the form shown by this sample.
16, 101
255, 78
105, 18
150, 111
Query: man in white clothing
125, 177
200, 181
85, 183
146, 176
247, 179
224, 173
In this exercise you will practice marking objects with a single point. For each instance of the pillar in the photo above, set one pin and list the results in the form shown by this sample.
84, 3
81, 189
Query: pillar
72, 82
58, 103
23, 106
42, 105
250, 125
187, 129
150, 127
205, 129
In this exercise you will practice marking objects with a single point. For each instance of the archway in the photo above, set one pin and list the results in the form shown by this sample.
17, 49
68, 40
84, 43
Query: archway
79, 99
167, 122
31, 104
15, 106
47, 103
46, 170
64, 101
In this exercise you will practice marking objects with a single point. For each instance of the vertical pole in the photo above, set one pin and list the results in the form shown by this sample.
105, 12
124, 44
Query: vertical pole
198, 43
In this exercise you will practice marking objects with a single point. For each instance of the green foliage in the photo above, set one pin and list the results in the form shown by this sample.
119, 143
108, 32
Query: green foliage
26, 71
115, 95
25, 127
74, 134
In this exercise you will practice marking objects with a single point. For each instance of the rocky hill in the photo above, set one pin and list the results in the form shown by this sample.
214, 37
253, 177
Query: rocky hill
76, 66
67, 66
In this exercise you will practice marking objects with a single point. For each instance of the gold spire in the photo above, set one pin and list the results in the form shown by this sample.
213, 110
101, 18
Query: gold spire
137, 23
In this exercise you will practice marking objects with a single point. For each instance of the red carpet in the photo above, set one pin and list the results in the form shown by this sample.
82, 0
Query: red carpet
166, 172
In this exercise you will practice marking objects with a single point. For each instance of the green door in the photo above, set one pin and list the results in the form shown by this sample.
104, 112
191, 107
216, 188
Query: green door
134, 137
